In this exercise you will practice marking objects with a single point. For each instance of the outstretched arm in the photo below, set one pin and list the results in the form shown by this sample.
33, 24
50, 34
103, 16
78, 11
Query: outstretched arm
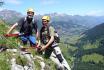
12, 28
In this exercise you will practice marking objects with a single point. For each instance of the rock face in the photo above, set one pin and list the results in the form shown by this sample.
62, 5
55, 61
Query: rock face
30, 60
15, 66
28, 56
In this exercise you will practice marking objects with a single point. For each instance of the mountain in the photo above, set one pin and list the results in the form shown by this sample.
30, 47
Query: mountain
73, 25
92, 41
90, 52
10, 16
88, 55
63, 23
88, 21
92, 35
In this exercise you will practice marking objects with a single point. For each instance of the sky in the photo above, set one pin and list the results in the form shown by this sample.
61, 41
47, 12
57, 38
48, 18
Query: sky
70, 7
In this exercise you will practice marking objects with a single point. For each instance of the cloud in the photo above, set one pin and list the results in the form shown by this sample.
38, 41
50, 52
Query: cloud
48, 2
16, 2
96, 13
1, 9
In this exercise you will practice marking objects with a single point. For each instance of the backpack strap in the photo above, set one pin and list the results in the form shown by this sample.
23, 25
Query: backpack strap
41, 30
34, 24
56, 36
24, 21
48, 30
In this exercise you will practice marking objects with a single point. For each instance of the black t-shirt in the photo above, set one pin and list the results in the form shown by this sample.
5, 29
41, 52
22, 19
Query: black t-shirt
26, 27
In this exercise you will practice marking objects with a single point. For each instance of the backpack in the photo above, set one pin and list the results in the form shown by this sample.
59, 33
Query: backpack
56, 37
32, 24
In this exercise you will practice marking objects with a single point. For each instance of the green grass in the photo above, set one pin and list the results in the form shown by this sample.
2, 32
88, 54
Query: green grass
87, 66
4, 64
10, 42
96, 58
50, 65
91, 46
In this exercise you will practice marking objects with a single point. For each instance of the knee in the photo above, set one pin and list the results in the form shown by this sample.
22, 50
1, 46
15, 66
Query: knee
59, 56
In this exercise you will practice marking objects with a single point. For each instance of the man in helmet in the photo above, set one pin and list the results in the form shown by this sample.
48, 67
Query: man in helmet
49, 46
27, 25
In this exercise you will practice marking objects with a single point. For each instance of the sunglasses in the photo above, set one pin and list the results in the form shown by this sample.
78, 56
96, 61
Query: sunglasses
30, 12
44, 20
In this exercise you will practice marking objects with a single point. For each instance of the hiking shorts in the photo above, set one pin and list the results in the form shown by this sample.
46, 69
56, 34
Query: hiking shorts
30, 38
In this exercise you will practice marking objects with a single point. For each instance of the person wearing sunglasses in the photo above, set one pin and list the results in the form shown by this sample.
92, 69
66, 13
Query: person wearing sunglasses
28, 27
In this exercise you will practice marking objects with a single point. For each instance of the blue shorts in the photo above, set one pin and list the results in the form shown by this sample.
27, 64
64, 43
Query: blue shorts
30, 38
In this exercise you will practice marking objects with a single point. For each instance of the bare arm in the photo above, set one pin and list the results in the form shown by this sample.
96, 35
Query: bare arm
50, 41
12, 28
47, 45
37, 34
